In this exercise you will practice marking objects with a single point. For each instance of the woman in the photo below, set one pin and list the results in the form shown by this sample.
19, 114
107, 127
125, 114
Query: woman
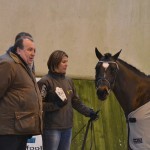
59, 99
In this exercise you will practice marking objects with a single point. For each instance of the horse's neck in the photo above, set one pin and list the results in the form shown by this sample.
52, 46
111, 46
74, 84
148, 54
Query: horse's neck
128, 90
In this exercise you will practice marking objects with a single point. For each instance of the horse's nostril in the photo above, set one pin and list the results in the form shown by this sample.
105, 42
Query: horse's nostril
105, 92
102, 93
103, 89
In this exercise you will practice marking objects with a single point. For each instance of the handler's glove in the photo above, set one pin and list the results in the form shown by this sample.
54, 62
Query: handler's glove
94, 115
61, 99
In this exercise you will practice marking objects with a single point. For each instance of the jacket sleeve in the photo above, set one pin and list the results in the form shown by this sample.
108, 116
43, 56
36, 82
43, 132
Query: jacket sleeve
7, 74
44, 88
78, 105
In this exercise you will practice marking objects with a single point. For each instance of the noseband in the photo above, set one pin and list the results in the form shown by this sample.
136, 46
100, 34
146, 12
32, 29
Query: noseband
103, 79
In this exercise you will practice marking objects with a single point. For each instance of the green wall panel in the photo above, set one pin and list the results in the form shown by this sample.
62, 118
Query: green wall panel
109, 130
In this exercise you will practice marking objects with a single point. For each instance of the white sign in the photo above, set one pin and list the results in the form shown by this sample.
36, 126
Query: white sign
35, 143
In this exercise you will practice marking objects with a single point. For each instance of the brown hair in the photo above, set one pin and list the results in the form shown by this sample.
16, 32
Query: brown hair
54, 60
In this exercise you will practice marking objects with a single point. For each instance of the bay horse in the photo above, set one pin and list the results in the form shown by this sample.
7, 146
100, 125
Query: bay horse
131, 88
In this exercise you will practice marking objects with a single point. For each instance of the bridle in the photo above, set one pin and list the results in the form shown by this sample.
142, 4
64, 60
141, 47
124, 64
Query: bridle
100, 80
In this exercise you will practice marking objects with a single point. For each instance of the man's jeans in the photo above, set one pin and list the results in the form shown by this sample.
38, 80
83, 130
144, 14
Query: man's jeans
57, 139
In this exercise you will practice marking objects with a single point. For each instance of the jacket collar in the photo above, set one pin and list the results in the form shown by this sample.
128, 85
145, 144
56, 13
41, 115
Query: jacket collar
20, 61
57, 75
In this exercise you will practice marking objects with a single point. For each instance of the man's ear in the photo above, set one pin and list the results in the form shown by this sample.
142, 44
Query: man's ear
18, 50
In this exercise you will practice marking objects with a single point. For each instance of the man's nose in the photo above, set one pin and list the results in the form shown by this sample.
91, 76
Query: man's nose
33, 53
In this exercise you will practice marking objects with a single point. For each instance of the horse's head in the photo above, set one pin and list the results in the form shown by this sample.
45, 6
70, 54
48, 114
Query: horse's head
106, 72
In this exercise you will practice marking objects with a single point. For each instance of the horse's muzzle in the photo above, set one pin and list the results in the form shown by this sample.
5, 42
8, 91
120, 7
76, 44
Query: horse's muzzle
102, 92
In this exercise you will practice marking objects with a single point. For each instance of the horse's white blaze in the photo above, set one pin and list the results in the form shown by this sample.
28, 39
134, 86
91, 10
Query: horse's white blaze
105, 65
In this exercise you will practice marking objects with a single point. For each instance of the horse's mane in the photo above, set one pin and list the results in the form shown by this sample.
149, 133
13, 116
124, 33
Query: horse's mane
107, 56
133, 68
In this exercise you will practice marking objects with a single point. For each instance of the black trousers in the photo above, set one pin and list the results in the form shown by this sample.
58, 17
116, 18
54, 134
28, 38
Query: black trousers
13, 142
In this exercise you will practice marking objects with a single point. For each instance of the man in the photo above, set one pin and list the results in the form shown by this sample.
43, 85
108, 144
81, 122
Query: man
20, 100
18, 36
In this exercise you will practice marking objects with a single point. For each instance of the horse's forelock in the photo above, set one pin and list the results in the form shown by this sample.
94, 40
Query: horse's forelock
106, 57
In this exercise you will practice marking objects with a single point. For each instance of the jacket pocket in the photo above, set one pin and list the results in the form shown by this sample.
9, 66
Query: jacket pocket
25, 122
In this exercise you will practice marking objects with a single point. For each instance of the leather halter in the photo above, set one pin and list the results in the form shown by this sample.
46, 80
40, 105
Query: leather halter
101, 79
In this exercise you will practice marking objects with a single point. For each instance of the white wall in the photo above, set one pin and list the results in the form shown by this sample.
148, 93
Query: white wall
77, 27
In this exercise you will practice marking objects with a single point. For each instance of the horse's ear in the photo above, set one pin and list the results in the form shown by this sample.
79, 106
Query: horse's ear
98, 54
117, 55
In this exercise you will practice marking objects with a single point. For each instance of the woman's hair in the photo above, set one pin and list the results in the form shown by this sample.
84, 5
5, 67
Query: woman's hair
54, 60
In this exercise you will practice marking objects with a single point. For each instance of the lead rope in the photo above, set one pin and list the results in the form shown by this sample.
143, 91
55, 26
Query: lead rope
90, 124
92, 136
86, 133
85, 136
79, 132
